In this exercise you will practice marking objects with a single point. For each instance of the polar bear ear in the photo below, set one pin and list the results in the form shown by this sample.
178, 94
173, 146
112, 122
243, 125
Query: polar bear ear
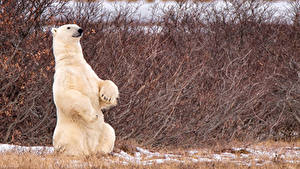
54, 30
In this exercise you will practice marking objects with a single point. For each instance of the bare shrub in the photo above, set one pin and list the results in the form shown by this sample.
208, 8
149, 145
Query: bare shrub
26, 72
200, 76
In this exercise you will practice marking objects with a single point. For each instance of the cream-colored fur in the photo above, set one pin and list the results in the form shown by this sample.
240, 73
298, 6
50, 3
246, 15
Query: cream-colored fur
79, 95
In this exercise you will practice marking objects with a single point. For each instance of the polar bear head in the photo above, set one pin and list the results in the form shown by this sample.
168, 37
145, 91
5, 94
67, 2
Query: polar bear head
67, 33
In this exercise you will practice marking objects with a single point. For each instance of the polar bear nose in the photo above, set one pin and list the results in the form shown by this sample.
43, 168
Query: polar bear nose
80, 30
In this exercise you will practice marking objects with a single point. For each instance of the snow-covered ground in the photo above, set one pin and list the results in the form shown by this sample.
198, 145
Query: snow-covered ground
145, 9
256, 155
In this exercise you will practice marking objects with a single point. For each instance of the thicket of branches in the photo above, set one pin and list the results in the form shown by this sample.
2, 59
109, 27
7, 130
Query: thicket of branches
193, 75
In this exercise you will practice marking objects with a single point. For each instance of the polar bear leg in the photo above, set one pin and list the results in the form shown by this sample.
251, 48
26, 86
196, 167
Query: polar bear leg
69, 140
73, 147
72, 101
107, 141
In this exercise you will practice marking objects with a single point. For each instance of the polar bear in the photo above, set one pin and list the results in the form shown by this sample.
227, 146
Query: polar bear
79, 96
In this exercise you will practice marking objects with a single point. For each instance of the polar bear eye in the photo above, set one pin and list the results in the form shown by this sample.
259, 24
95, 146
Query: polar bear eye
68, 28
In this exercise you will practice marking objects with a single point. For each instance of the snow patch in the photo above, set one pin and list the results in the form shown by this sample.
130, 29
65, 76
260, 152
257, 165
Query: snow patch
22, 149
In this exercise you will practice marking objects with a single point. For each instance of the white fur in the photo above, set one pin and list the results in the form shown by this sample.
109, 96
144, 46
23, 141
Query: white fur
79, 95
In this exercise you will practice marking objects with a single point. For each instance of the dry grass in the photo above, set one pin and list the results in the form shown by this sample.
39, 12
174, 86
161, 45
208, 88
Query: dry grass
50, 161
47, 161
32, 161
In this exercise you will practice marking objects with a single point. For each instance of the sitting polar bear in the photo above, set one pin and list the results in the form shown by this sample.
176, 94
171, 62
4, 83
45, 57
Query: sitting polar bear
79, 95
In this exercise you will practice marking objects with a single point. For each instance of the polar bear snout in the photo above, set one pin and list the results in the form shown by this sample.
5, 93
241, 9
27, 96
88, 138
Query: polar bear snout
78, 33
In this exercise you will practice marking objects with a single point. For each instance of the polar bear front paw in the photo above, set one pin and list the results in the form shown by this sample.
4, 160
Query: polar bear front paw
109, 92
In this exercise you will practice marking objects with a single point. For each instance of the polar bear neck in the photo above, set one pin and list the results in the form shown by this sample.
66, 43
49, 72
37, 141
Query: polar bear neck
71, 52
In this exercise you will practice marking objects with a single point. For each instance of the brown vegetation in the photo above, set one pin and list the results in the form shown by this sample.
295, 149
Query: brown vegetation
31, 161
46, 161
185, 81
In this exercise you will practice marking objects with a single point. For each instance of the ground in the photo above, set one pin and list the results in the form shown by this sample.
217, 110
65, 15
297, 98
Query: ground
260, 155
